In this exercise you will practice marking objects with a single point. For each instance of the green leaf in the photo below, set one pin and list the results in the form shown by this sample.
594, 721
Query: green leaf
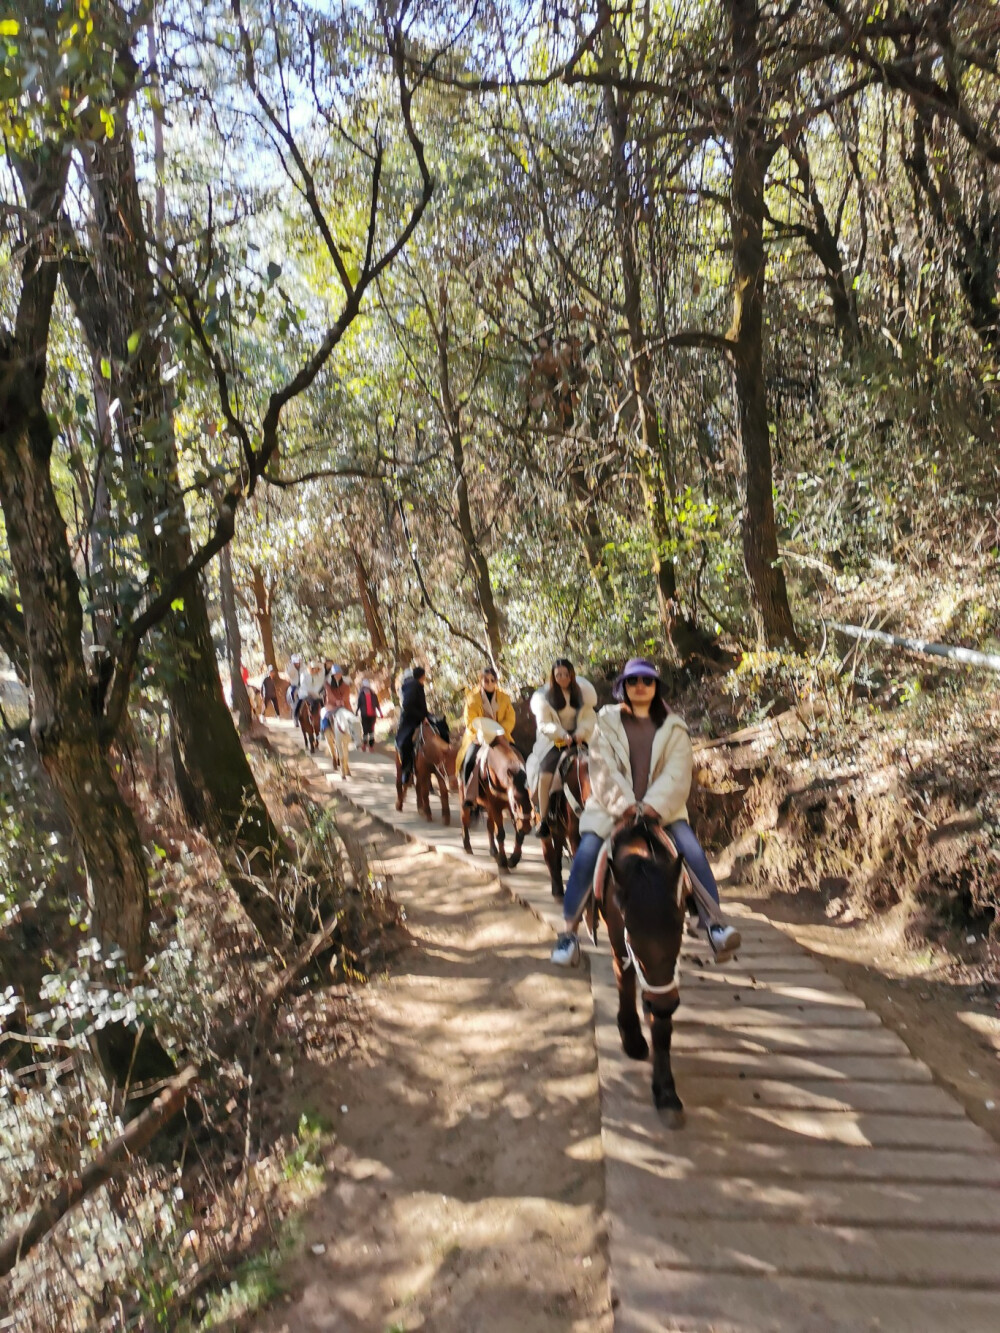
133, 343
9, 27
105, 367
177, 604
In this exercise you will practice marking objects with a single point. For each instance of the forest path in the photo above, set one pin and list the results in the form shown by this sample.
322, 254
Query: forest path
823, 1180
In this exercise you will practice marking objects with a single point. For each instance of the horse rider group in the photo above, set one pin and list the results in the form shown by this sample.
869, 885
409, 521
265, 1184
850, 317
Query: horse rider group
641, 765
327, 682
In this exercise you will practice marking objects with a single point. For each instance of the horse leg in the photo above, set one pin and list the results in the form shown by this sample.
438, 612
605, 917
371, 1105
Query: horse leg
491, 830
502, 861
661, 1021
552, 849
634, 1044
423, 786
399, 782
445, 806
331, 745
518, 842
345, 765
466, 817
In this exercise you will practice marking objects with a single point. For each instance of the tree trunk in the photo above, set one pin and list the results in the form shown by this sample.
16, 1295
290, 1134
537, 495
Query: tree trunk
474, 552
262, 598
114, 311
63, 724
227, 595
746, 334
370, 607
654, 461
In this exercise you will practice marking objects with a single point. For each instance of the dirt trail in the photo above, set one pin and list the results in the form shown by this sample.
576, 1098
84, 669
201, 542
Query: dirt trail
465, 1187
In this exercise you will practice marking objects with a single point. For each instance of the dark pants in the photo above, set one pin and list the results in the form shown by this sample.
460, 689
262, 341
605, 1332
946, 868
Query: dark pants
469, 763
368, 726
269, 699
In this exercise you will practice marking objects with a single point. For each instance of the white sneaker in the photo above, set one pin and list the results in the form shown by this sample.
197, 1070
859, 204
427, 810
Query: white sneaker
566, 952
725, 942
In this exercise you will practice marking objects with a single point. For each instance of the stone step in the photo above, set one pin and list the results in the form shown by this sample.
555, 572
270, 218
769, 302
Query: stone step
740, 1064
716, 1012
771, 1124
792, 1162
686, 1302
927, 1257
840, 1203
804, 988
737, 1037
816, 1094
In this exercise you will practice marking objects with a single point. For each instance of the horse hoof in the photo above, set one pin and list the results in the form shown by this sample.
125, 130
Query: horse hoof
672, 1115
399, 805
446, 821
634, 1044
558, 892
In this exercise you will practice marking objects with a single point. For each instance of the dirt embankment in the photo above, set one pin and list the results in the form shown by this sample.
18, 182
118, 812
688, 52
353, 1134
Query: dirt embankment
888, 871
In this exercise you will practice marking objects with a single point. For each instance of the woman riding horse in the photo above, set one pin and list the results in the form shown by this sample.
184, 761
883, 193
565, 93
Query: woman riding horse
336, 695
641, 763
564, 712
485, 700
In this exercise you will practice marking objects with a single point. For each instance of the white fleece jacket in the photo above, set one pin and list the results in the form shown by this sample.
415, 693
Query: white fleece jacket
670, 772
553, 727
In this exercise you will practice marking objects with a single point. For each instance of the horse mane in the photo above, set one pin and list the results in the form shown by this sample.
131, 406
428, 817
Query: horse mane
649, 884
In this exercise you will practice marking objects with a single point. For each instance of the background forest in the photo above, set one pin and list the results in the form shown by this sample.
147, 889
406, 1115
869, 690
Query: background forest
458, 332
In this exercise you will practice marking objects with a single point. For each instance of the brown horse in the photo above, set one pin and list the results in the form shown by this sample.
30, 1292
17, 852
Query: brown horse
433, 757
642, 902
503, 785
308, 720
565, 808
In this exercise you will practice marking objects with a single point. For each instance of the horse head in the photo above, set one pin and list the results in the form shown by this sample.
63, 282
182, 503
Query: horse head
649, 893
518, 796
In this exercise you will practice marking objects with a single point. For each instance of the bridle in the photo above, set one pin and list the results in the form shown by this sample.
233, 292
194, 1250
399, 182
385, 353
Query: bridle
631, 960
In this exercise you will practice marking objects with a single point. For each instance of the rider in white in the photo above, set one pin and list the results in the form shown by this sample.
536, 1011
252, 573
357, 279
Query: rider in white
565, 714
300, 683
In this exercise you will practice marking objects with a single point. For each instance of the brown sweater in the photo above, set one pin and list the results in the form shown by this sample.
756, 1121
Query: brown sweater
640, 732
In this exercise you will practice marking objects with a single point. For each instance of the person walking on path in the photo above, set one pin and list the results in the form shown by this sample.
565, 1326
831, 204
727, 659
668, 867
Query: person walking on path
412, 712
641, 762
269, 692
565, 714
368, 709
484, 702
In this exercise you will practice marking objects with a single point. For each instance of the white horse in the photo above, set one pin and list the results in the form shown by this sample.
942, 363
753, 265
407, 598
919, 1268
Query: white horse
343, 730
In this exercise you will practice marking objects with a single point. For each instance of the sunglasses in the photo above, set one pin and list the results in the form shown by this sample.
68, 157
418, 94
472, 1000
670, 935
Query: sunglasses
640, 680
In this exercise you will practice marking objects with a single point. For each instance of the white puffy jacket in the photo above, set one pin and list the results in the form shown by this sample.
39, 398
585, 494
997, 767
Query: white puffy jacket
553, 727
671, 768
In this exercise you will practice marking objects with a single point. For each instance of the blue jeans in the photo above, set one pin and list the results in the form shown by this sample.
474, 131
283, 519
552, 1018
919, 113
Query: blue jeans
581, 875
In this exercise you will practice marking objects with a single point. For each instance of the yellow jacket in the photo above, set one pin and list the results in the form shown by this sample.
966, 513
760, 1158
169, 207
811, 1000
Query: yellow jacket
475, 707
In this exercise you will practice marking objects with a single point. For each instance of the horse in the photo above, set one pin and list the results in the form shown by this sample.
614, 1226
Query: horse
640, 892
503, 785
433, 757
343, 728
308, 719
565, 807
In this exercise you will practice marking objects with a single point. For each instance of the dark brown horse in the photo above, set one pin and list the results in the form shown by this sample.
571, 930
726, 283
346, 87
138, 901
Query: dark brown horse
642, 901
433, 757
565, 807
308, 720
503, 785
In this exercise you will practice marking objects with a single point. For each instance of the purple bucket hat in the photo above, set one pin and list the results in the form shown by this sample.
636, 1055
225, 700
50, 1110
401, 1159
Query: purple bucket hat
635, 666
